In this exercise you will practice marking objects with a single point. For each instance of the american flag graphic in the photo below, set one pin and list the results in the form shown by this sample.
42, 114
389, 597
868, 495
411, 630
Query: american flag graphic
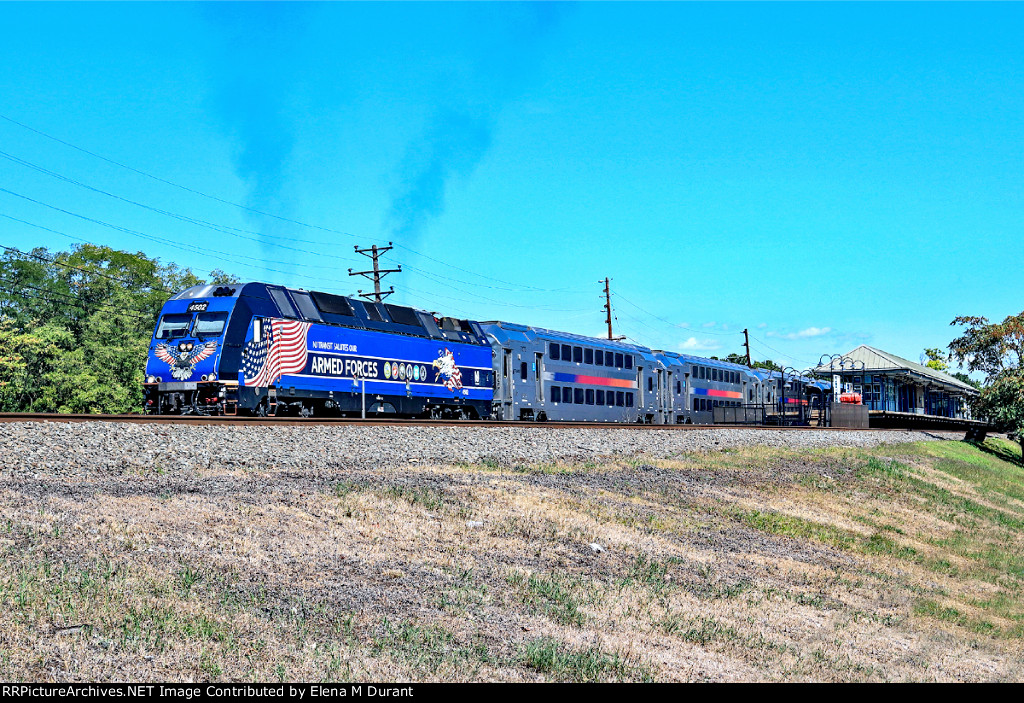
281, 350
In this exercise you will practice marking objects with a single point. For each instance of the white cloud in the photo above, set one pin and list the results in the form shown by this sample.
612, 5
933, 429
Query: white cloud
709, 324
802, 334
694, 344
762, 325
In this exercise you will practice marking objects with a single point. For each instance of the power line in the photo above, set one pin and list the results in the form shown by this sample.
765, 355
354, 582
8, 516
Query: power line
25, 254
192, 248
232, 203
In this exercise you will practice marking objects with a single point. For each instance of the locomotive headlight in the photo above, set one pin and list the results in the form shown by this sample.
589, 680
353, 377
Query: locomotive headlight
212, 377
203, 377
150, 379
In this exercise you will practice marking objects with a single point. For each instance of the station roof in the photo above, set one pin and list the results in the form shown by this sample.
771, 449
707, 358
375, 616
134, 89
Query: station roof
878, 361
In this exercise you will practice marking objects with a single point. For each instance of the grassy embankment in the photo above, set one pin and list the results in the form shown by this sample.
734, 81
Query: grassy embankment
896, 563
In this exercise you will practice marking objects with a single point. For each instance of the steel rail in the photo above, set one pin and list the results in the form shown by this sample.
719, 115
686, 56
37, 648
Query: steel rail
393, 422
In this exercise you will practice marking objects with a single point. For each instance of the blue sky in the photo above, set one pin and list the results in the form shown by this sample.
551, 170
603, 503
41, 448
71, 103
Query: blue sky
824, 175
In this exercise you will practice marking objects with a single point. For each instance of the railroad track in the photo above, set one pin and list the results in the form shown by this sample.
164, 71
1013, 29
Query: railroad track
396, 422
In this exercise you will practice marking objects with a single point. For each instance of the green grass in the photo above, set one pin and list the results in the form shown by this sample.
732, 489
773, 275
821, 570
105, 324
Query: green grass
564, 663
430, 649
559, 597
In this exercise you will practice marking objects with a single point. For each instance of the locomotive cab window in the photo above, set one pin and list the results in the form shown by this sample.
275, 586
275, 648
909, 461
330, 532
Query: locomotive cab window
173, 326
209, 324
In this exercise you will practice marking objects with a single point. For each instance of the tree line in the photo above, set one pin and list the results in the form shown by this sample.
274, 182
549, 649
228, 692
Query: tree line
75, 326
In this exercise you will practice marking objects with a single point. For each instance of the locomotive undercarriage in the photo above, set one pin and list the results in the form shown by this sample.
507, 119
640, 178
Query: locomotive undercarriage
218, 399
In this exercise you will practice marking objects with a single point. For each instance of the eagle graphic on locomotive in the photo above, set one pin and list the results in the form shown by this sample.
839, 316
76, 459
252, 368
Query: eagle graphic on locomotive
262, 349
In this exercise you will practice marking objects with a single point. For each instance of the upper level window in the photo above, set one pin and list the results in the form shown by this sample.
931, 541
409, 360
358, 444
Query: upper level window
553, 351
618, 360
588, 356
577, 354
566, 352
629, 361
599, 357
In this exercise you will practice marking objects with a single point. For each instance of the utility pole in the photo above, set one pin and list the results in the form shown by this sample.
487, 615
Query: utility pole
376, 274
746, 343
608, 310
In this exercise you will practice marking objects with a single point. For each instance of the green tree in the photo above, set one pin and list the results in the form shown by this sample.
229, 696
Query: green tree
937, 359
75, 326
767, 365
997, 350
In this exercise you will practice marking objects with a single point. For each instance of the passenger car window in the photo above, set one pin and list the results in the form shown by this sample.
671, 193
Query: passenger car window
620, 398
566, 352
173, 326
577, 354
578, 396
629, 400
522, 370
556, 394
618, 360
590, 396
566, 394
600, 397
553, 351
599, 357
588, 356
629, 361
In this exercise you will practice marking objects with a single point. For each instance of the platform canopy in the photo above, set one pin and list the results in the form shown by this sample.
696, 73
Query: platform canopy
877, 362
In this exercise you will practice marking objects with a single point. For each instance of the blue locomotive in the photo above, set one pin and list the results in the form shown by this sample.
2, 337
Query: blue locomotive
262, 349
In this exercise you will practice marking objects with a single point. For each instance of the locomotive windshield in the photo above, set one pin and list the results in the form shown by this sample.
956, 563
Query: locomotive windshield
173, 326
209, 324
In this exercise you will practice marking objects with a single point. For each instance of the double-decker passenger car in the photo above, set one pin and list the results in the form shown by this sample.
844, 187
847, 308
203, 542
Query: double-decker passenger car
546, 375
258, 348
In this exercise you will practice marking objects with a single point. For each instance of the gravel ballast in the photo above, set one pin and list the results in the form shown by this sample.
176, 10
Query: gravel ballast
106, 447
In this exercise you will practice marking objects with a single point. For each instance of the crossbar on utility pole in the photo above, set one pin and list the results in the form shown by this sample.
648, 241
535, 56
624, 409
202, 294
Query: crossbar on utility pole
376, 273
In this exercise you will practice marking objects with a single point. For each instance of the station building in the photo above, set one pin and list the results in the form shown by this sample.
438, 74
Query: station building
891, 383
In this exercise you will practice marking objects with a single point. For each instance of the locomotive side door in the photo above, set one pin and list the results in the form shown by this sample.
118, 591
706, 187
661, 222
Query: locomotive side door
506, 384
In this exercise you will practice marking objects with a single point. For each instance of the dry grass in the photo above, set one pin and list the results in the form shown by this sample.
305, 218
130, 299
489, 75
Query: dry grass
897, 563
